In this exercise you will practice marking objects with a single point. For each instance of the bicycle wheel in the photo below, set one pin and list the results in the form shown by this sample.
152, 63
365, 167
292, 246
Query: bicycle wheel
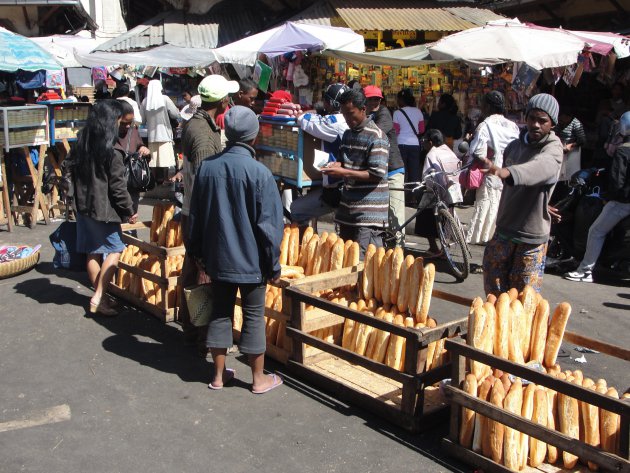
453, 244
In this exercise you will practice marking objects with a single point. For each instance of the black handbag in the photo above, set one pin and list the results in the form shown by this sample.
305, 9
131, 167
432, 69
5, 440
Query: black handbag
138, 173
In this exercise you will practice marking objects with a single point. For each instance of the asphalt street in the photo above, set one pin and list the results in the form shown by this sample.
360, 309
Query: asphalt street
87, 393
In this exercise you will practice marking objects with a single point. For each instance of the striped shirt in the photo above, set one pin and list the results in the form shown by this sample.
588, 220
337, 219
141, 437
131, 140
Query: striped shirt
363, 203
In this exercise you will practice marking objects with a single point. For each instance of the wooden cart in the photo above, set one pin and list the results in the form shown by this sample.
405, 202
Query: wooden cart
282, 354
407, 398
607, 461
162, 311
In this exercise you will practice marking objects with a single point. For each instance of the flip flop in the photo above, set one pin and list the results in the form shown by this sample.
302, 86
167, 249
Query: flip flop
277, 381
230, 373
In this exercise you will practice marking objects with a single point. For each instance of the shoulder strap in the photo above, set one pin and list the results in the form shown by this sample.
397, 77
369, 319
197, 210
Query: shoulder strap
409, 120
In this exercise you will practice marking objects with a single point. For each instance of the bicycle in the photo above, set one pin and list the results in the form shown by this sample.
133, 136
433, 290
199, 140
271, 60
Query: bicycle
450, 230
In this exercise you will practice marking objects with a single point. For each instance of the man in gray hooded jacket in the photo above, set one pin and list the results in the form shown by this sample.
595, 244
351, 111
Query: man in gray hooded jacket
516, 254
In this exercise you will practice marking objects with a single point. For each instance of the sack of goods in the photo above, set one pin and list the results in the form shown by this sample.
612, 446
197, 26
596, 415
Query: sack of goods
519, 327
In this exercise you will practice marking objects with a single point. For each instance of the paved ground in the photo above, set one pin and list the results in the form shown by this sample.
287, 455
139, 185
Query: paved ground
82, 393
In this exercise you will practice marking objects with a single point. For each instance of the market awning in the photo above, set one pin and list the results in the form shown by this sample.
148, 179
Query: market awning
399, 15
290, 37
18, 52
62, 46
510, 41
410, 56
161, 56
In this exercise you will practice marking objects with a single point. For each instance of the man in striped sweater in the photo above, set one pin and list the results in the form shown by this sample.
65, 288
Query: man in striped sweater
364, 151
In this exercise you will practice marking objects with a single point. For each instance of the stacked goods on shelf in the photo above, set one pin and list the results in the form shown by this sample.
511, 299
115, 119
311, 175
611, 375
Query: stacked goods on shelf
279, 107
143, 288
518, 327
543, 406
280, 136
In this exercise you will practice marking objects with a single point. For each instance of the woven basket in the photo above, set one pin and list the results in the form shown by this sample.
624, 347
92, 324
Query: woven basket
18, 266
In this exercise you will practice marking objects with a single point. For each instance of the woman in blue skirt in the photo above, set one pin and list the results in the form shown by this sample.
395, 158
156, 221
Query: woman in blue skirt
101, 199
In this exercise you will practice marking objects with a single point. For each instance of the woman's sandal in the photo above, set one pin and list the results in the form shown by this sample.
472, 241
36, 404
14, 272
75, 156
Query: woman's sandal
102, 309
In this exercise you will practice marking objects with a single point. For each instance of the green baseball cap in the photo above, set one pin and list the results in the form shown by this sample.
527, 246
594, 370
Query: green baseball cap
216, 87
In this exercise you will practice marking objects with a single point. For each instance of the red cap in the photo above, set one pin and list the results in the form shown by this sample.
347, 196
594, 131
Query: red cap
372, 91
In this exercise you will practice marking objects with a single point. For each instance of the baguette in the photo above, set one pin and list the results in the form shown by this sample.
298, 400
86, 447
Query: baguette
346, 253
528, 299
491, 298
162, 229
171, 233
438, 354
430, 323
413, 288
513, 402
480, 421
395, 348
155, 222
385, 275
538, 448
539, 332
514, 344
369, 351
284, 246
354, 254
513, 294
367, 281
520, 327
505, 380
379, 256
180, 236
327, 253
477, 323
609, 426
424, 301
382, 341
394, 276
294, 246
556, 332
361, 305
363, 337
336, 255
311, 251
496, 429
590, 418
468, 415
526, 412
569, 417
502, 327
306, 238
405, 286
348, 326
491, 327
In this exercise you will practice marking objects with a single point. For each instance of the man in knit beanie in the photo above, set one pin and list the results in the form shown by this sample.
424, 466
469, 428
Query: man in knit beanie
235, 233
515, 256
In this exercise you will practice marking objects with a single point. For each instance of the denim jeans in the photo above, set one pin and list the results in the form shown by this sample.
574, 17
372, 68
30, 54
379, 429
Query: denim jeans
612, 213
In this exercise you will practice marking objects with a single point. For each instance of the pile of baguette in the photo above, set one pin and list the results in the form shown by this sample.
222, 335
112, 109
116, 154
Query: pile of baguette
516, 327
317, 253
143, 288
165, 231
514, 449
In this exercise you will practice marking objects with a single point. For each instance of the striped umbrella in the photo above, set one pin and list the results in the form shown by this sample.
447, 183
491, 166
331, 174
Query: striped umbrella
17, 52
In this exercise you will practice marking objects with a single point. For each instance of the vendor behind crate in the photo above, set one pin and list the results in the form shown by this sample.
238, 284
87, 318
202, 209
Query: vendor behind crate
235, 234
515, 256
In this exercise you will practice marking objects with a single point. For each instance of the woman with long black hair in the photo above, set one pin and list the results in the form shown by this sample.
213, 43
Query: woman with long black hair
101, 199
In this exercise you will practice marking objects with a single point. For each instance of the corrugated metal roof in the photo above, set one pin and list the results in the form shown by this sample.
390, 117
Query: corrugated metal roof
188, 31
25, 3
394, 15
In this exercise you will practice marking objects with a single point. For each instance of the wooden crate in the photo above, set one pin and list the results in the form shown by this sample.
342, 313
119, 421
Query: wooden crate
282, 354
460, 352
161, 311
408, 398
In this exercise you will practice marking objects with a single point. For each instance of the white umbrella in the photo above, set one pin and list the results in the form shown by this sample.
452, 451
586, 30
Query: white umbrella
290, 37
510, 41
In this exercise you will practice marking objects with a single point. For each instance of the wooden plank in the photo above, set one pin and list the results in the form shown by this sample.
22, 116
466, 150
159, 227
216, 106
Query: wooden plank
135, 226
446, 330
296, 323
330, 279
465, 301
318, 319
587, 452
607, 348
471, 458
587, 395
340, 390
143, 274
458, 373
149, 248
164, 316
348, 355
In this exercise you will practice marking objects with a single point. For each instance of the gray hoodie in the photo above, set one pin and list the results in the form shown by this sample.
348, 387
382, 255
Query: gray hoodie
534, 169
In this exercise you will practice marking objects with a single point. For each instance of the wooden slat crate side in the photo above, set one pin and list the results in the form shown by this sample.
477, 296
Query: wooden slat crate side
460, 352
166, 316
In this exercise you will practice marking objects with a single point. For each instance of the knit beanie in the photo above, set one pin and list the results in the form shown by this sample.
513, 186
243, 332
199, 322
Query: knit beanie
241, 124
545, 102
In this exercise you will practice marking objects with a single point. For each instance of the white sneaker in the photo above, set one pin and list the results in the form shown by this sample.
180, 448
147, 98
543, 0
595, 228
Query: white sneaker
580, 276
